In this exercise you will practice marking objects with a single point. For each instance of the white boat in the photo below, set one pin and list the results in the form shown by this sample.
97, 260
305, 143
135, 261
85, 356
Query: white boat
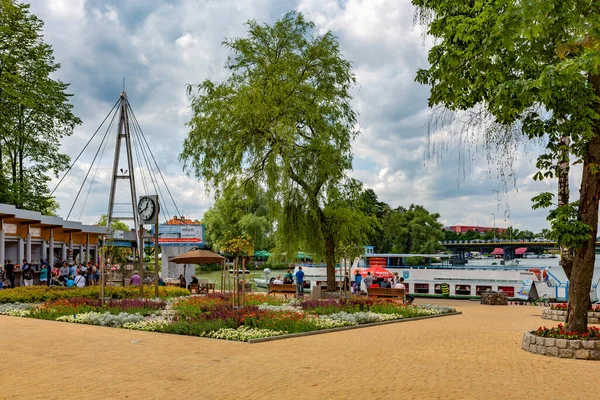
463, 281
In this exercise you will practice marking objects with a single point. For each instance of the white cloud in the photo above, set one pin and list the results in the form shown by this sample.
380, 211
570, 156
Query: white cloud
160, 46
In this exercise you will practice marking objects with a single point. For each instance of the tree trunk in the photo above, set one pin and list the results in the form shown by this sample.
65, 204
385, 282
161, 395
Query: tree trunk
583, 262
563, 169
330, 260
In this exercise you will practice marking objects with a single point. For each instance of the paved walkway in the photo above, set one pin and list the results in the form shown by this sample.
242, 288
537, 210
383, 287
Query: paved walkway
476, 355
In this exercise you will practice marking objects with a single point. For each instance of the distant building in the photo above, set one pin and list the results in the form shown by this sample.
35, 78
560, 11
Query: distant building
476, 228
181, 221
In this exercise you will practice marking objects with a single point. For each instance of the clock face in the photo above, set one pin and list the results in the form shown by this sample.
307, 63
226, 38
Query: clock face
146, 208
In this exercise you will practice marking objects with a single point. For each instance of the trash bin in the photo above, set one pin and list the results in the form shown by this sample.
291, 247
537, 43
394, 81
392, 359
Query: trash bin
316, 292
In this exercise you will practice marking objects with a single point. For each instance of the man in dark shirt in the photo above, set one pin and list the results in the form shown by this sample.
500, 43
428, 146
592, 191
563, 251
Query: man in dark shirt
10, 273
385, 284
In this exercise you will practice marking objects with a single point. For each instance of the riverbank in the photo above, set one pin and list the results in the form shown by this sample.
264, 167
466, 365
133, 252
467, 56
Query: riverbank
470, 356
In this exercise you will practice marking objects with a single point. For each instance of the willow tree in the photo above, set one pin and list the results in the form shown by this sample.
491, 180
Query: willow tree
534, 65
281, 120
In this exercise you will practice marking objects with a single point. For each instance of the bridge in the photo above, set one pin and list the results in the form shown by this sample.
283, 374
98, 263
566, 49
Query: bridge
460, 247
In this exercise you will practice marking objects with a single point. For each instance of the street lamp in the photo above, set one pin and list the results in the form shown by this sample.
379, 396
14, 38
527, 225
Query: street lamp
494, 226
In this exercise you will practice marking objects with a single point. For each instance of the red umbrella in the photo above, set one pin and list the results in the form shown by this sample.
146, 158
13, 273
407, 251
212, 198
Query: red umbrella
377, 272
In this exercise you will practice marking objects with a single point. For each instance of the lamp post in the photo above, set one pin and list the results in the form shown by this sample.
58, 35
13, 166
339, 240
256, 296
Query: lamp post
494, 226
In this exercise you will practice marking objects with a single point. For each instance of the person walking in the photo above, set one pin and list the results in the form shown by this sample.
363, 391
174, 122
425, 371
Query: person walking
357, 281
300, 282
9, 268
368, 280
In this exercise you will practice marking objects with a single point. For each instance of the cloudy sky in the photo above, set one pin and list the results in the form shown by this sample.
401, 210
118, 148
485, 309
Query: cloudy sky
159, 46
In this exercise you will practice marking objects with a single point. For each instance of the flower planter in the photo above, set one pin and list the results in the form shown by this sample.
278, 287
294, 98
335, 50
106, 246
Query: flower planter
561, 316
563, 348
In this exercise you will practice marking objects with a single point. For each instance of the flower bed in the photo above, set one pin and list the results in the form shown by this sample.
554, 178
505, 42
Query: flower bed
214, 315
564, 306
558, 312
560, 342
37, 294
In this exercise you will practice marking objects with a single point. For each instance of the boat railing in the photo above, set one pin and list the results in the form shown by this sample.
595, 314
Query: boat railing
465, 267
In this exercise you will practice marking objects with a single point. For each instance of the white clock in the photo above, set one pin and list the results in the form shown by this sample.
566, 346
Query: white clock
147, 208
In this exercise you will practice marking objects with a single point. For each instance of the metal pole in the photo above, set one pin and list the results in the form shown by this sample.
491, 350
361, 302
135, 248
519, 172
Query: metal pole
155, 252
102, 272
494, 226
141, 260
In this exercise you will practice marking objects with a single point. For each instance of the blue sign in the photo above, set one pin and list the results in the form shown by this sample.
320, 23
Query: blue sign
405, 274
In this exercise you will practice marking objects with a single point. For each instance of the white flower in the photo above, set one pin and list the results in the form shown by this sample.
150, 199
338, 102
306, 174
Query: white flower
361, 317
16, 309
242, 334
284, 307
103, 319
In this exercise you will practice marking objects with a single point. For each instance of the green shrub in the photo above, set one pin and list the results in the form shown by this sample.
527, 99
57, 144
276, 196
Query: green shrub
38, 294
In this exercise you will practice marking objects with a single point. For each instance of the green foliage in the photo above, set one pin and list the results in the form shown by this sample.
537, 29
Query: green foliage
283, 121
37, 294
413, 230
238, 245
567, 230
239, 214
536, 56
35, 113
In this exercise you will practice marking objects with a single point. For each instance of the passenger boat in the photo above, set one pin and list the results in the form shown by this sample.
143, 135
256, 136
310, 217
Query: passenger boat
463, 281
470, 281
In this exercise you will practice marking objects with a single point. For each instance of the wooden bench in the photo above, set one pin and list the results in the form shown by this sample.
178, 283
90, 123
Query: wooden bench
204, 288
281, 288
388, 293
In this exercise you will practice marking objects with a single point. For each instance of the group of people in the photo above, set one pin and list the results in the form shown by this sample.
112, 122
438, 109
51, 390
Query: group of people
371, 282
63, 273
289, 279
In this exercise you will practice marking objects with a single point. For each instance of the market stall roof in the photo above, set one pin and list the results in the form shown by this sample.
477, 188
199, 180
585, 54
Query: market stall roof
197, 257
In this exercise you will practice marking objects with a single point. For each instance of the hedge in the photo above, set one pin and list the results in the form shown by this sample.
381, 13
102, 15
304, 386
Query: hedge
38, 294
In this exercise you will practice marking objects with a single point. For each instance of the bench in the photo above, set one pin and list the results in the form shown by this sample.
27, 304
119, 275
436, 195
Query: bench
388, 292
204, 288
281, 288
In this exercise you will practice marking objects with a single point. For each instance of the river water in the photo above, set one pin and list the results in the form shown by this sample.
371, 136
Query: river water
552, 263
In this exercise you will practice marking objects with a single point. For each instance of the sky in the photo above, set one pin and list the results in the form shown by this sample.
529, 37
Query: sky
160, 46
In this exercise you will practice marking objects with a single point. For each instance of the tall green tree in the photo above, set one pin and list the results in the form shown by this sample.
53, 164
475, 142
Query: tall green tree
35, 113
535, 66
414, 230
240, 215
282, 119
